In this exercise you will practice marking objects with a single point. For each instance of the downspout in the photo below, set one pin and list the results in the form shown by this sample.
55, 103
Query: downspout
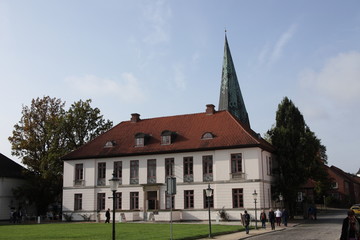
263, 179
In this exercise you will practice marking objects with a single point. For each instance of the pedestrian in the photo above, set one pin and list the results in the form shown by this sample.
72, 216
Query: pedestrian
263, 219
246, 221
285, 217
272, 219
107, 215
350, 227
278, 215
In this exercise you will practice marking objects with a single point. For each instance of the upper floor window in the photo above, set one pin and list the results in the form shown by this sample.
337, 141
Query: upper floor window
167, 137
207, 168
118, 169
169, 167
101, 173
188, 169
134, 172
236, 163
269, 165
207, 135
79, 174
140, 139
151, 171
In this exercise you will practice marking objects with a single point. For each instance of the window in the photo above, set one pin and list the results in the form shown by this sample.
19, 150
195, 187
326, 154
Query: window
188, 199
170, 201
101, 201
165, 140
334, 185
167, 137
237, 197
269, 165
188, 169
134, 200
140, 139
78, 201
169, 167
134, 172
207, 168
118, 169
118, 200
236, 163
151, 171
79, 174
109, 144
211, 199
101, 173
207, 135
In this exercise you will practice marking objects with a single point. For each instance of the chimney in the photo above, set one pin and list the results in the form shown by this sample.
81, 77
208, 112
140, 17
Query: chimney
210, 109
135, 117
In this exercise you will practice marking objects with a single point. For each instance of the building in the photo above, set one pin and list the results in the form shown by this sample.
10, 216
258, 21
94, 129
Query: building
11, 176
211, 148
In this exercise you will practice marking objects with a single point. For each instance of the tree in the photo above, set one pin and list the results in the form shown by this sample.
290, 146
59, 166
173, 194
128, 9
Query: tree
299, 152
84, 123
46, 132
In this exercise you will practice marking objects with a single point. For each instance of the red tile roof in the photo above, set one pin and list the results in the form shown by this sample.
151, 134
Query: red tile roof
228, 132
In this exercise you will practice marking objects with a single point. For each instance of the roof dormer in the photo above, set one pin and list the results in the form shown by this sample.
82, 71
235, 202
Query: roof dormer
140, 139
167, 137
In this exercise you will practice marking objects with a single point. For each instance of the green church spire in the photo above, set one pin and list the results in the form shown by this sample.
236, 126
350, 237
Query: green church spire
230, 94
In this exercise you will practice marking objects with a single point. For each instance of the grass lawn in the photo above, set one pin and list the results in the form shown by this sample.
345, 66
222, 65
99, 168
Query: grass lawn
101, 231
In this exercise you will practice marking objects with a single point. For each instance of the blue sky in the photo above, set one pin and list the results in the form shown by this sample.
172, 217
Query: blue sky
162, 58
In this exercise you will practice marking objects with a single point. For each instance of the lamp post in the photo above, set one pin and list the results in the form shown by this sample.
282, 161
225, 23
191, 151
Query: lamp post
208, 196
114, 183
255, 199
281, 198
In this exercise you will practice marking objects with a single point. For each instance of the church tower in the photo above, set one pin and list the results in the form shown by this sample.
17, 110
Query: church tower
230, 94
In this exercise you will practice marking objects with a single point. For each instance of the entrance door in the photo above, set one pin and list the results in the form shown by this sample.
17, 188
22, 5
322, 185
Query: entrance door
152, 200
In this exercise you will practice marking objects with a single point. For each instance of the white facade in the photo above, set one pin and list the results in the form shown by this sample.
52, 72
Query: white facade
256, 165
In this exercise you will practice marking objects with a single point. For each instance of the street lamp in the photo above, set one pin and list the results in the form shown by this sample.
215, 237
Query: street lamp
114, 183
281, 198
209, 192
255, 198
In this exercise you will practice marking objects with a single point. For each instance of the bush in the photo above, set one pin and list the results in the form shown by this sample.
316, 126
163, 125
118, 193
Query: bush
224, 215
86, 217
68, 217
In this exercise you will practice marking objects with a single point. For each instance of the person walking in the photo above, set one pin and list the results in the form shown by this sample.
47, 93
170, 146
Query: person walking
272, 219
107, 215
278, 217
285, 217
246, 221
263, 219
351, 227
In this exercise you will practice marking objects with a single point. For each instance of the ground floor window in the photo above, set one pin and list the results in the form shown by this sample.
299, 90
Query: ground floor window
189, 199
134, 200
118, 201
101, 201
78, 201
237, 197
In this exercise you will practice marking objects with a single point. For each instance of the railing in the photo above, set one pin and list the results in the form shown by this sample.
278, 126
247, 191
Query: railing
208, 177
134, 180
188, 178
101, 182
79, 182
237, 176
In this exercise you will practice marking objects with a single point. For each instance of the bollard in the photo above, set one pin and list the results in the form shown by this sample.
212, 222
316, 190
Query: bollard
38, 220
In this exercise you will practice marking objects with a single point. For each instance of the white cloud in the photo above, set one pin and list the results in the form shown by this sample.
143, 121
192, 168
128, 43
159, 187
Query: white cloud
281, 43
127, 89
157, 14
338, 80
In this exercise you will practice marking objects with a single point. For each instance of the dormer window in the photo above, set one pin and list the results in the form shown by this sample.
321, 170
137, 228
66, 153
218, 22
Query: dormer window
207, 135
140, 139
167, 137
109, 144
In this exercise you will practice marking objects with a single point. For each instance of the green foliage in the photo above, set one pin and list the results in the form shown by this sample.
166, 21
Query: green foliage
46, 132
100, 231
223, 214
86, 217
68, 217
300, 154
